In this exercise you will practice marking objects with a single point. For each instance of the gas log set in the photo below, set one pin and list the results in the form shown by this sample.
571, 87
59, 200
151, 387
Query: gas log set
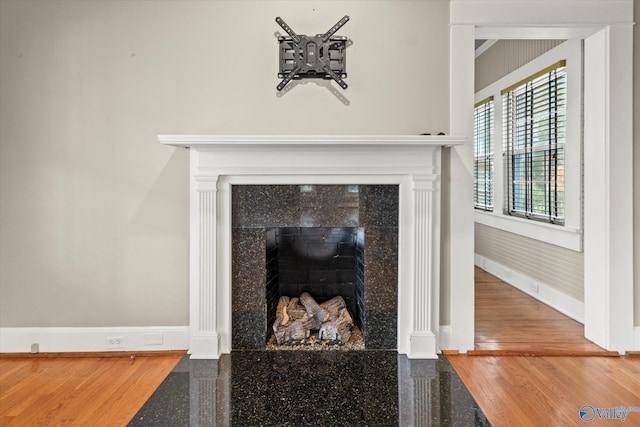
298, 320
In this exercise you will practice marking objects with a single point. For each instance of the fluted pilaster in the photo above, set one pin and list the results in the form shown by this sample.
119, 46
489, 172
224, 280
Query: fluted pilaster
423, 342
205, 339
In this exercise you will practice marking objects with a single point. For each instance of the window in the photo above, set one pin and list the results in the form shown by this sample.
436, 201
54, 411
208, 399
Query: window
483, 155
537, 148
534, 145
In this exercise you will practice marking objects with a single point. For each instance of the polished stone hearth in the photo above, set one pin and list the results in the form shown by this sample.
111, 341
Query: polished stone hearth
273, 388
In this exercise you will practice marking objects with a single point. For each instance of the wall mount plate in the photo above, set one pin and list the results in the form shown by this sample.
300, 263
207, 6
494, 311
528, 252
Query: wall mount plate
320, 56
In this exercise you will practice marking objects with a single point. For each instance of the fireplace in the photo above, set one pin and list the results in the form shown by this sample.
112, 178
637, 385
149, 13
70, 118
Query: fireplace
219, 164
326, 240
324, 262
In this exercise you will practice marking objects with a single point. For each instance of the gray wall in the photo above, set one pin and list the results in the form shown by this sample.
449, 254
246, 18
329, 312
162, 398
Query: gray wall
93, 211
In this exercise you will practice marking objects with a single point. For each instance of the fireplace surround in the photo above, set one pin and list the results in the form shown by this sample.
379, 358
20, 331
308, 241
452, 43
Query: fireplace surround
327, 240
218, 162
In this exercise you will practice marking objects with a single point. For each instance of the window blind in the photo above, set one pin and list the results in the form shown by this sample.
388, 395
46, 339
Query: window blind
483, 155
535, 133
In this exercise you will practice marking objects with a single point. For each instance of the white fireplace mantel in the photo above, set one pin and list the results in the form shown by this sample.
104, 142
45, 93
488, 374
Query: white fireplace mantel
218, 162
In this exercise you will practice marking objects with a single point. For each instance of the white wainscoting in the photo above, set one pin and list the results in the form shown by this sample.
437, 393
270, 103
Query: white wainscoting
565, 304
94, 339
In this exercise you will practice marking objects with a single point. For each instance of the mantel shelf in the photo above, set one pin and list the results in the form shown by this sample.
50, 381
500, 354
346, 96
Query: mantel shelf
204, 141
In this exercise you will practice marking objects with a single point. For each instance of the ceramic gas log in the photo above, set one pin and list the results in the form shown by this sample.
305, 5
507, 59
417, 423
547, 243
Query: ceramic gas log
303, 321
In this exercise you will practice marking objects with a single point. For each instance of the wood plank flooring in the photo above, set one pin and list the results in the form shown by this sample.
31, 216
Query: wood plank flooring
511, 391
508, 320
78, 391
549, 391
534, 372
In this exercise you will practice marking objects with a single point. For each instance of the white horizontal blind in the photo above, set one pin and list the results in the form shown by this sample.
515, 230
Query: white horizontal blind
483, 155
535, 133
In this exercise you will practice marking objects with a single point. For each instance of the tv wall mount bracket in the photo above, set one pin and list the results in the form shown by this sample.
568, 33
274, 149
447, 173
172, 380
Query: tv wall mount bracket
320, 56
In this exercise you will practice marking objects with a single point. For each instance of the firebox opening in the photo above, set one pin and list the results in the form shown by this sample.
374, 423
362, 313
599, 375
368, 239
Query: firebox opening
325, 262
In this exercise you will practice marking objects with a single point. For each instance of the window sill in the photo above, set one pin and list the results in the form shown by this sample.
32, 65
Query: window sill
563, 236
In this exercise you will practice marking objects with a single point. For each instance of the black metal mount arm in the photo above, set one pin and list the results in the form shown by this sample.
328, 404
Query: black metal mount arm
319, 56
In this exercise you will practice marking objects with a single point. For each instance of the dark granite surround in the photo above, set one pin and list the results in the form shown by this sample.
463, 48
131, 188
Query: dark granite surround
262, 212
285, 388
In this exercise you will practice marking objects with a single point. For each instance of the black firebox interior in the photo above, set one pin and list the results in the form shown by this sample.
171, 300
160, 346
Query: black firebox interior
323, 261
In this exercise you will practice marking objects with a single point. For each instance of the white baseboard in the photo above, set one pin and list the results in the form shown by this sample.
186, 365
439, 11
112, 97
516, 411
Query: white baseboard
565, 304
94, 339
636, 340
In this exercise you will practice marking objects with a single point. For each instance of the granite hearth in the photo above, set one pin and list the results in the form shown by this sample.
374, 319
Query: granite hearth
278, 388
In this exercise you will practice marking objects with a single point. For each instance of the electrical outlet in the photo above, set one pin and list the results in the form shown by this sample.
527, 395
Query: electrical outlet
153, 338
115, 342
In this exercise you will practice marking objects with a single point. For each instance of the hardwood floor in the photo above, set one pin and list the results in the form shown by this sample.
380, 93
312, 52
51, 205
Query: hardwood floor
510, 321
78, 391
547, 390
511, 391
550, 391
